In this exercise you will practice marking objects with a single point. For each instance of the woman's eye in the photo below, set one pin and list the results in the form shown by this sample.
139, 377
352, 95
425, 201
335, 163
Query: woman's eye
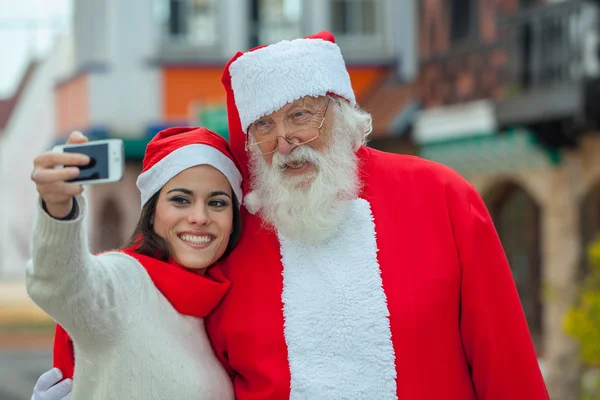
218, 203
180, 200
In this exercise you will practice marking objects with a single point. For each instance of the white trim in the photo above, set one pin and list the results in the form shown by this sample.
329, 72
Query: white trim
266, 79
337, 326
459, 120
152, 180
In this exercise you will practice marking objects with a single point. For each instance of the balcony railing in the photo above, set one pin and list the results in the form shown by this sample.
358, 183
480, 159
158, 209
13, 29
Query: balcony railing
554, 44
272, 31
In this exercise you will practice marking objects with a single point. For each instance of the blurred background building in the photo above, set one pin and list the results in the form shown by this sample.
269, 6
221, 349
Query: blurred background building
503, 91
509, 92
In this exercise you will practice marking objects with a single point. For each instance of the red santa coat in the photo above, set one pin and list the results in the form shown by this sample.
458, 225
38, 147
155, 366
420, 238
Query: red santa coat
413, 299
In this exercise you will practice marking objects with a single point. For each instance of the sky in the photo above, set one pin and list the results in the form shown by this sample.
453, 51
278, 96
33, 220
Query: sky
27, 29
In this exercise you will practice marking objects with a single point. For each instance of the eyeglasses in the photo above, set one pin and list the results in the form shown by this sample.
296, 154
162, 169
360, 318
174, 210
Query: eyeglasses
263, 128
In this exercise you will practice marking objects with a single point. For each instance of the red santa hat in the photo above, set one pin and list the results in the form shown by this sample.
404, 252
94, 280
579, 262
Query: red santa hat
266, 78
176, 149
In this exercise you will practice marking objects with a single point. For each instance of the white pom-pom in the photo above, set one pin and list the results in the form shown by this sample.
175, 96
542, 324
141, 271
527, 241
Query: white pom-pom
253, 202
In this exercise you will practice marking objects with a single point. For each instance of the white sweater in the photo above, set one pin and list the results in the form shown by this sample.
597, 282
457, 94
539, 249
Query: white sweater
129, 342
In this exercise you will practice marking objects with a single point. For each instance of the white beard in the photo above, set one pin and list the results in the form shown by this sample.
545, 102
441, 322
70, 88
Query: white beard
309, 207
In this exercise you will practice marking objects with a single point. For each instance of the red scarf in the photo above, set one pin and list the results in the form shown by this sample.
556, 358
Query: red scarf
189, 293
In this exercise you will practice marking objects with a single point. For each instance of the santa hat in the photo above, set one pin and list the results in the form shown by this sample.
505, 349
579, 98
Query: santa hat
266, 78
176, 149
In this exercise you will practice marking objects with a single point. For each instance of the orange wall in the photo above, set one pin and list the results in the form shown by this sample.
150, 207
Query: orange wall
182, 86
185, 85
72, 105
364, 78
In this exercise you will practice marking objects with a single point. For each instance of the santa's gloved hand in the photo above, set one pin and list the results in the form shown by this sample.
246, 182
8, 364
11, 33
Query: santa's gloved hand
46, 387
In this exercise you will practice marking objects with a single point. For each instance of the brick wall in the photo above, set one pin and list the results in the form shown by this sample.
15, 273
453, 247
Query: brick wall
475, 68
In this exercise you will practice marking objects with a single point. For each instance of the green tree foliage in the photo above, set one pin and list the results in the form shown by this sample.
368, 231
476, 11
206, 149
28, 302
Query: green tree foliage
583, 323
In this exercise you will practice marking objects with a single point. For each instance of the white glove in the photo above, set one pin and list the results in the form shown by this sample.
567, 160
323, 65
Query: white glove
46, 387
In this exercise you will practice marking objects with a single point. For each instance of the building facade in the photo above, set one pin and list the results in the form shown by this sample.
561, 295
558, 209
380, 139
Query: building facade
27, 129
141, 66
509, 91
503, 91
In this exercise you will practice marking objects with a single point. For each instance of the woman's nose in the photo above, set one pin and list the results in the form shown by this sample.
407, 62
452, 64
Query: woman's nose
199, 216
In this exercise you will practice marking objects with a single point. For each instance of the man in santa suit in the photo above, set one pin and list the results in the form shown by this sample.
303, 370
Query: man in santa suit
360, 274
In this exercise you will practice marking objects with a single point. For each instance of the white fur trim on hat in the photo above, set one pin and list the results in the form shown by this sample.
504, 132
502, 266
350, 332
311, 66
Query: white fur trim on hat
152, 180
266, 79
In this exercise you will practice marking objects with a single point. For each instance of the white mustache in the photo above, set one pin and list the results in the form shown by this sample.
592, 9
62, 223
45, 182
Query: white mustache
301, 153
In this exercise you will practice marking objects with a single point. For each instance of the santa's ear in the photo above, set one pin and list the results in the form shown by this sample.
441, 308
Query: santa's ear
252, 202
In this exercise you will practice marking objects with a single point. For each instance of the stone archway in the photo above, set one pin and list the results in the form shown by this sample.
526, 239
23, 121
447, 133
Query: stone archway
516, 216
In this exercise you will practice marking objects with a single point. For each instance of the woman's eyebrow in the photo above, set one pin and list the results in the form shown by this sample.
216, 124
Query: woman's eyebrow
182, 190
219, 193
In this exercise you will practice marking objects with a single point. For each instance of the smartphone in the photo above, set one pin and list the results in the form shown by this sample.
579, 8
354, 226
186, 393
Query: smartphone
107, 165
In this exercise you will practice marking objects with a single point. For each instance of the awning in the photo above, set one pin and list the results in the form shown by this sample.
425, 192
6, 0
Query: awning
213, 118
405, 118
502, 152
392, 105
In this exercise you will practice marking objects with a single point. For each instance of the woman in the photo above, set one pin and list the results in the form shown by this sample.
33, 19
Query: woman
136, 314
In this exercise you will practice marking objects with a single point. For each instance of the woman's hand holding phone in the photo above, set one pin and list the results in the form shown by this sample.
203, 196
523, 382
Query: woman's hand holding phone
50, 181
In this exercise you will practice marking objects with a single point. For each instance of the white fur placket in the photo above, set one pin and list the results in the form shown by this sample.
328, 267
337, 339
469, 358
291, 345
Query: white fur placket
336, 317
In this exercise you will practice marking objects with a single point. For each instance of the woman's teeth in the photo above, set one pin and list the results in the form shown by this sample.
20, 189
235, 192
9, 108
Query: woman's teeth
196, 239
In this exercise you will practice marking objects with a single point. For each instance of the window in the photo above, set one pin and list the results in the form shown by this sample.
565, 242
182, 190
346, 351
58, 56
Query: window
462, 19
90, 31
526, 36
526, 3
192, 22
275, 20
433, 30
354, 17
516, 217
